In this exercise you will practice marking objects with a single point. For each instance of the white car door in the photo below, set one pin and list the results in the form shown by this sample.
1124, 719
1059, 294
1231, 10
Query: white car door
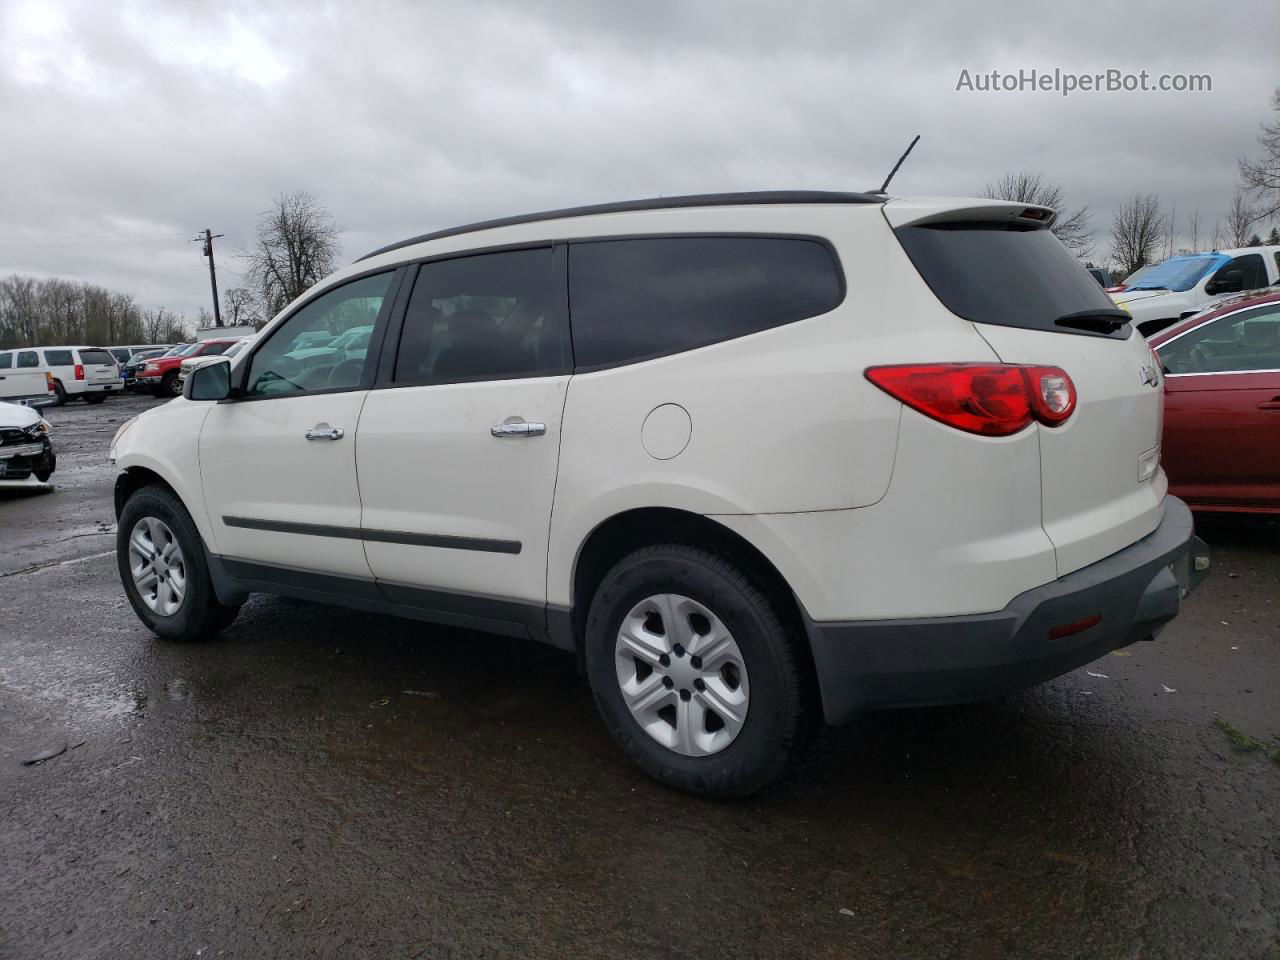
277, 461
457, 453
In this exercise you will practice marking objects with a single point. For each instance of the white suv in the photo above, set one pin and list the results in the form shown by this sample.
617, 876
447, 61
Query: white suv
759, 459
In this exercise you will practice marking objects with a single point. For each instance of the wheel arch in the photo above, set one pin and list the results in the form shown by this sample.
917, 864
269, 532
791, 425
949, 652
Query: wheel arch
629, 530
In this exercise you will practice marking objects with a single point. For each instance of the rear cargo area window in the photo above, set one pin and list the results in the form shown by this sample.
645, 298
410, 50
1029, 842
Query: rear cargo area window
633, 299
96, 356
989, 273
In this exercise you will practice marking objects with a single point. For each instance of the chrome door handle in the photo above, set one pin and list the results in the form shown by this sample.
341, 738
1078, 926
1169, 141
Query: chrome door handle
322, 431
516, 427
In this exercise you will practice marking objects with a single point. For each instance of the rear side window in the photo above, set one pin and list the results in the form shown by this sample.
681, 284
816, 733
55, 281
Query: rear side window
95, 356
58, 358
633, 299
1008, 277
493, 316
121, 354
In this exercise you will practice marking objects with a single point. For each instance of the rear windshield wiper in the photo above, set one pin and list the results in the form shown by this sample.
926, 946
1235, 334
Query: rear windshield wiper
1099, 321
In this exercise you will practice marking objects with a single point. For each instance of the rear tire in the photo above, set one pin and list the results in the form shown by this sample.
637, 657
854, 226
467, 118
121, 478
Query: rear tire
718, 600
94, 398
198, 612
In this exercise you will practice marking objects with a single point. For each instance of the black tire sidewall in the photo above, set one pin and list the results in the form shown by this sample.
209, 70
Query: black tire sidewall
200, 613
760, 750
61, 392
166, 385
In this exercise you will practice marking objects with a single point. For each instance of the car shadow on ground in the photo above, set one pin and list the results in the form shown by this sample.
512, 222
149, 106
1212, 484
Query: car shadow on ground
23, 490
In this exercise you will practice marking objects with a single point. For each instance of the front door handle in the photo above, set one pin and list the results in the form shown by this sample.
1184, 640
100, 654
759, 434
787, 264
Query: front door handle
322, 431
518, 427
1272, 404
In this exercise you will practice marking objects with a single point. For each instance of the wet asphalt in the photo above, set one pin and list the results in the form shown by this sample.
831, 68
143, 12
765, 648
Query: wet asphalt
323, 783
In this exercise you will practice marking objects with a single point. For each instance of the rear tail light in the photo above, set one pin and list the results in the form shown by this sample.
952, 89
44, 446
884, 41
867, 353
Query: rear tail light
79, 371
991, 399
48, 382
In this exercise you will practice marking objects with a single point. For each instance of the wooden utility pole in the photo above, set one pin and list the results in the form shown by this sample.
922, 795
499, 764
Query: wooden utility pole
207, 240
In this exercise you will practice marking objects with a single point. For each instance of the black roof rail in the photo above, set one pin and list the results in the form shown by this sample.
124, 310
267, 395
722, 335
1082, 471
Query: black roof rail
653, 203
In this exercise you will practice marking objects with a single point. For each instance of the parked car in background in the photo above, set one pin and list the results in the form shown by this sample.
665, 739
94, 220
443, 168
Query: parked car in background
25, 447
1181, 286
90, 373
752, 457
1102, 275
129, 370
160, 374
28, 387
190, 363
1221, 445
124, 354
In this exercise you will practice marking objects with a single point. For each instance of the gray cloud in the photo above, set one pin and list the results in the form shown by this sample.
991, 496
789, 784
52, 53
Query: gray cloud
130, 126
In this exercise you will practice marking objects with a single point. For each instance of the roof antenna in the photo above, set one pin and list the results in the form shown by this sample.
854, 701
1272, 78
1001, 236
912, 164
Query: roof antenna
885, 186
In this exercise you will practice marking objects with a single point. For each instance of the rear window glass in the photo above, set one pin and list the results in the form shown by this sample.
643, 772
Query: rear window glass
632, 299
58, 358
1008, 277
96, 356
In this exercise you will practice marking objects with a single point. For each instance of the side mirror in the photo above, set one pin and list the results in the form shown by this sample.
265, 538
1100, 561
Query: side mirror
209, 381
1230, 282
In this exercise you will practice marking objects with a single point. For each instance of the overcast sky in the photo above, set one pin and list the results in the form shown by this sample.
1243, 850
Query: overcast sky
127, 126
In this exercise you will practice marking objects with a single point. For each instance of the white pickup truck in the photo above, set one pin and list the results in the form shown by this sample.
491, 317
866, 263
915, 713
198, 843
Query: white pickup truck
31, 388
1186, 284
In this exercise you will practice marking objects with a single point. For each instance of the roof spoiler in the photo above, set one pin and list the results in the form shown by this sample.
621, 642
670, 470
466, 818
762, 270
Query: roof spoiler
936, 210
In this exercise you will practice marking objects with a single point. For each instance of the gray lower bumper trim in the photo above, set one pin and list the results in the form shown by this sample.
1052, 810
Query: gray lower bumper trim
890, 663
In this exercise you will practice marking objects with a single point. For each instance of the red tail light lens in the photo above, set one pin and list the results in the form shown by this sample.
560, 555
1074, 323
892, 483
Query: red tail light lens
79, 371
48, 382
991, 399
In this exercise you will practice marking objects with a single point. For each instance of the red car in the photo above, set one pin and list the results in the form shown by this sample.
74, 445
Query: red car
160, 374
1221, 446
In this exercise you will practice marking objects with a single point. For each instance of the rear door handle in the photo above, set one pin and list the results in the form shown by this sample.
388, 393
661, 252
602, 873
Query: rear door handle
518, 427
322, 431
1272, 404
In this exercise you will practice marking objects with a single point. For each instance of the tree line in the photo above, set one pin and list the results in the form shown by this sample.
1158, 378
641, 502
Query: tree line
37, 311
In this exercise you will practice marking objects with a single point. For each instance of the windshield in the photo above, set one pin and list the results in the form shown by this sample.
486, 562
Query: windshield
185, 351
1179, 273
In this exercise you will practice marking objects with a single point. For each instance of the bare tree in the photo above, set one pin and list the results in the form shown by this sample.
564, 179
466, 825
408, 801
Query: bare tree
1261, 177
1193, 227
1136, 230
238, 306
1239, 218
297, 245
1273, 238
1073, 229
164, 326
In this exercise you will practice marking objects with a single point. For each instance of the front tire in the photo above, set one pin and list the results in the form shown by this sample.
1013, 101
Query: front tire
164, 570
695, 671
169, 386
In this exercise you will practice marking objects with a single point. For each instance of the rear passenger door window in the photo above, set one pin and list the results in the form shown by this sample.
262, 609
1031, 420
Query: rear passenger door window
6, 361
633, 299
492, 316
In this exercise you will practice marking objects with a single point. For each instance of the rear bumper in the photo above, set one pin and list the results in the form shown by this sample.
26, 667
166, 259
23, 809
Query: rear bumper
892, 663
